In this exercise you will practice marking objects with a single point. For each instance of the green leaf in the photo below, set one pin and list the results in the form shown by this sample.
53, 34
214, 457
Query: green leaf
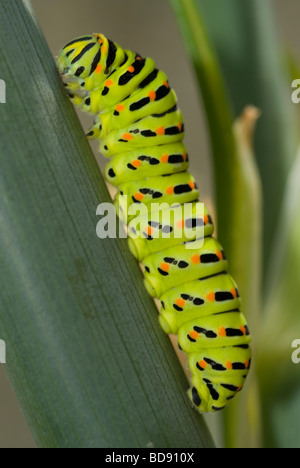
85, 354
238, 199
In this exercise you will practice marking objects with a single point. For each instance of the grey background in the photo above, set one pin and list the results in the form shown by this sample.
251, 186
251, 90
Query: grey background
146, 26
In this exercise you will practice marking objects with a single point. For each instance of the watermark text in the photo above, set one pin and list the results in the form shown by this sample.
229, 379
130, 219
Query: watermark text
2, 92
154, 221
296, 353
2, 352
296, 93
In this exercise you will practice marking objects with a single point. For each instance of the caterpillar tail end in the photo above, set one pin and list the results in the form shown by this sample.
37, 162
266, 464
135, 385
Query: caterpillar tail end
201, 404
195, 398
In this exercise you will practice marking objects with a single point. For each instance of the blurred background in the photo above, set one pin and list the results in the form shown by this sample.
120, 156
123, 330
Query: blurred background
149, 28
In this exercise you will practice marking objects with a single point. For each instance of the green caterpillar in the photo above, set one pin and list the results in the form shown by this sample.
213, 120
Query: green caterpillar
141, 129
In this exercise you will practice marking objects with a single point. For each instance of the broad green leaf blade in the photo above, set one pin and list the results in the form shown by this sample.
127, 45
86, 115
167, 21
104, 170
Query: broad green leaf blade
248, 46
85, 354
238, 199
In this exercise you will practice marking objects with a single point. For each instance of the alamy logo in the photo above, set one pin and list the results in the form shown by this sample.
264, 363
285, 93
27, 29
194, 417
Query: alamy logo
2, 92
154, 221
296, 353
296, 93
2, 352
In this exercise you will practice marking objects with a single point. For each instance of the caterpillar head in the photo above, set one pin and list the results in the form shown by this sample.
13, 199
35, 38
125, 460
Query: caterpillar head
80, 57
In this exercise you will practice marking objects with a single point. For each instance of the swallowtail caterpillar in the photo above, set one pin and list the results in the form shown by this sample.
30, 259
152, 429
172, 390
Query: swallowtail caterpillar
141, 130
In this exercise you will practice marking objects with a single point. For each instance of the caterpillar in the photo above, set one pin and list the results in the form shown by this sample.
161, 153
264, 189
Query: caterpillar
141, 131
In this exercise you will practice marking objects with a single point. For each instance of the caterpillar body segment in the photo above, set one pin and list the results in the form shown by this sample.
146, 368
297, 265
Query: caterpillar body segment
192, 300
141, 131
150, 131
150, 161
174, 266
207, 332
155, 191
161, 230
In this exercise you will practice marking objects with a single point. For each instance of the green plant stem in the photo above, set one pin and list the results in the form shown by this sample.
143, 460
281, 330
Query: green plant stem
247, 42
218, 114
238, 196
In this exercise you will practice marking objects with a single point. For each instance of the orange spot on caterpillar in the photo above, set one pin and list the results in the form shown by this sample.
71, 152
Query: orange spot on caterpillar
195, 259
211, 298
131, 69
206, 220
222, 332
219, 254
138, 196
180, 127
160, 131
120, 107
233, 292
98, 69
180, 224
228, 365
184, 156
247, 364
193, 334
165, 158
150, 230
192, 185
180, 302
127, 136
136, 163
170, 190
165, 266
203, 364
166, 84
243, 330
109, 83
152, 95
